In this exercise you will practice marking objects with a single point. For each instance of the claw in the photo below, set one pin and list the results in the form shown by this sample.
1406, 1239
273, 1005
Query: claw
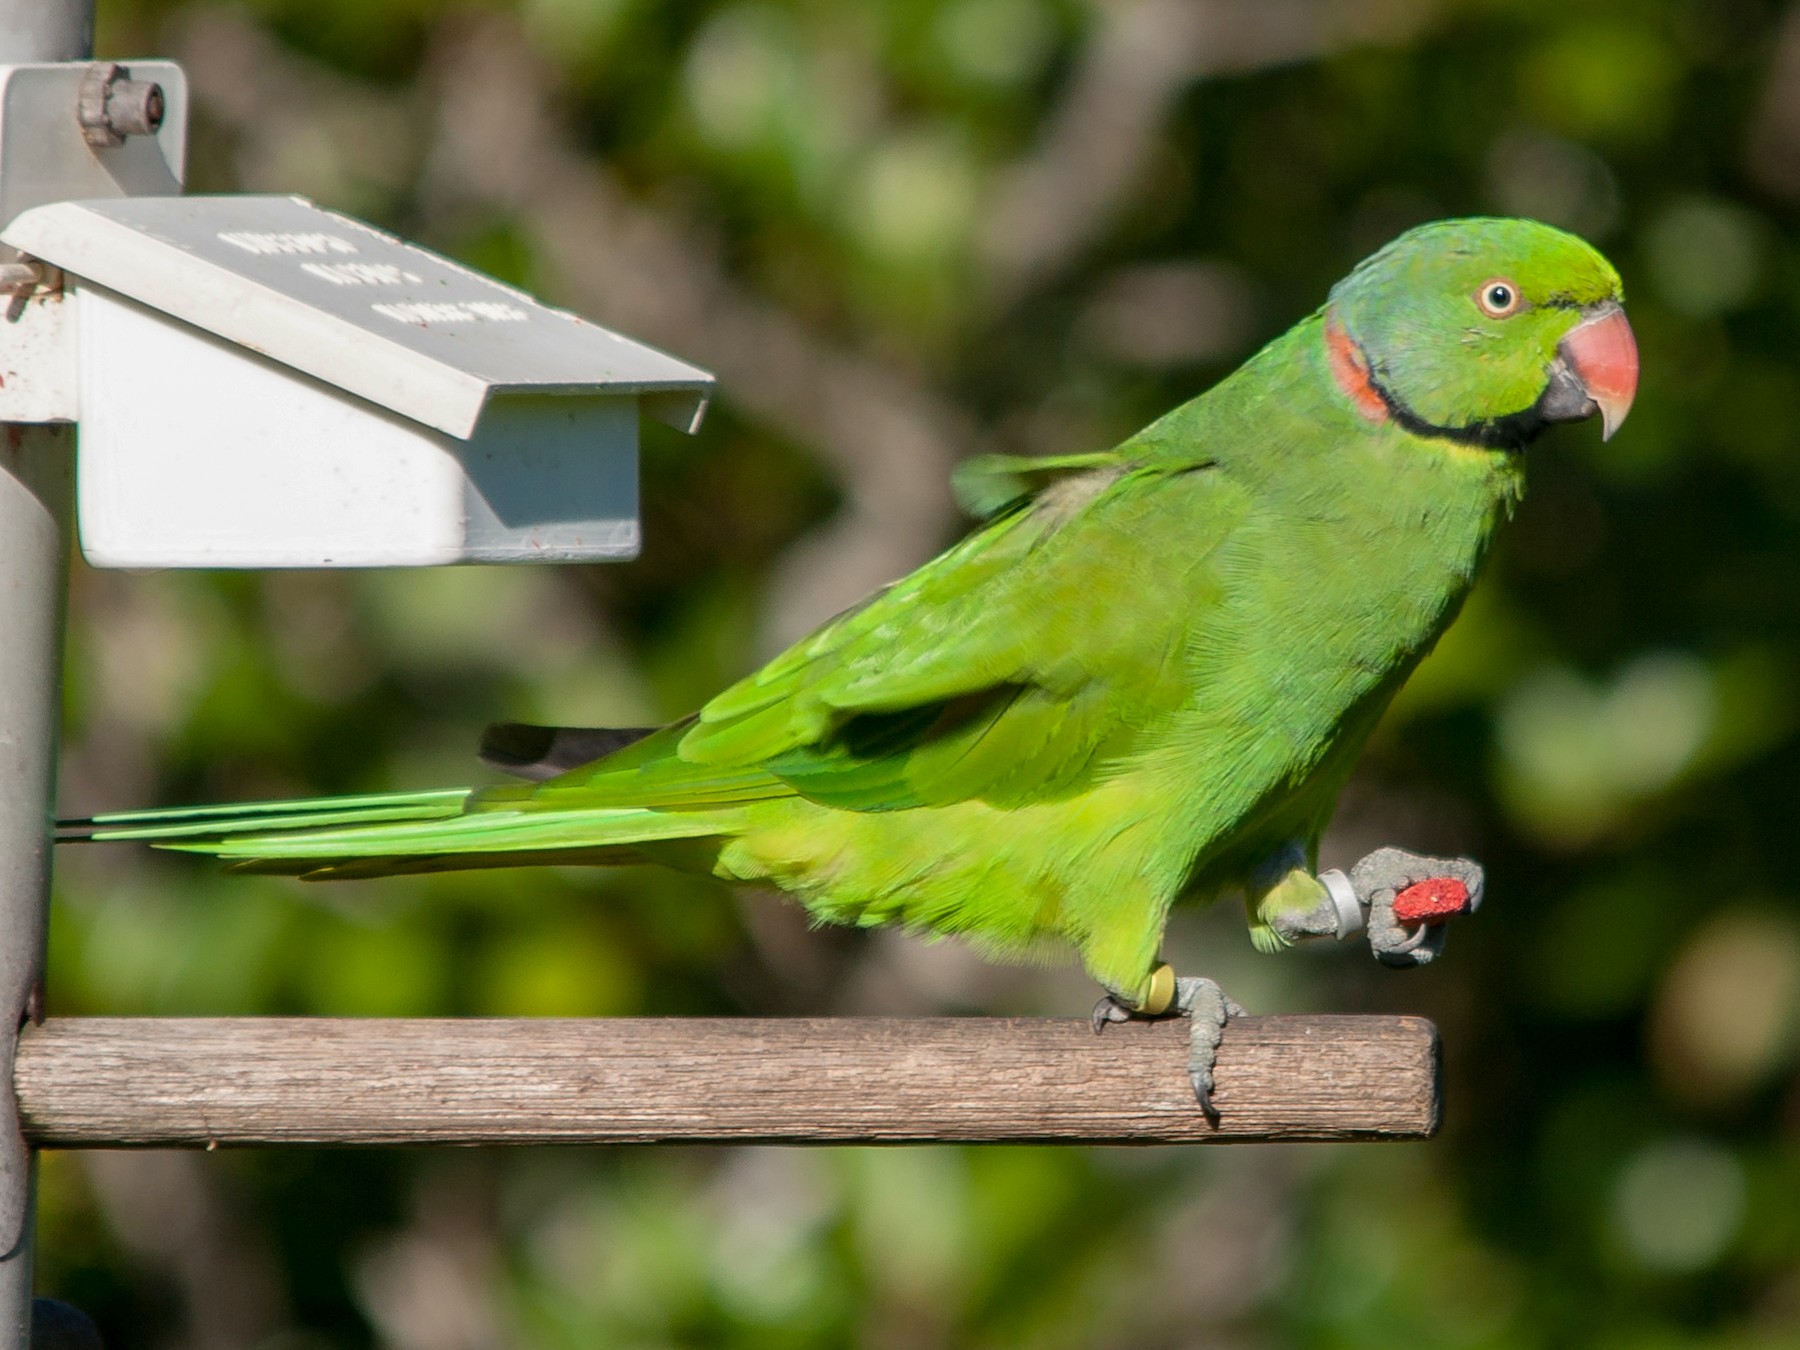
1203, 1095
1109, 1009
1411, 942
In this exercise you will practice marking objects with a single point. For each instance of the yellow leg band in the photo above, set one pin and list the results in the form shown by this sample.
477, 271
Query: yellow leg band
1161, 993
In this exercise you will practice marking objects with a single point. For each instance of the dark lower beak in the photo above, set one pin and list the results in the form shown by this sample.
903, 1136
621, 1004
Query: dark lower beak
1595, 371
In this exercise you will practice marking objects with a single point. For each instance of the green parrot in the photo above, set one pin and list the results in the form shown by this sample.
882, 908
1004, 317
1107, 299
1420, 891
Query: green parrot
1142, 680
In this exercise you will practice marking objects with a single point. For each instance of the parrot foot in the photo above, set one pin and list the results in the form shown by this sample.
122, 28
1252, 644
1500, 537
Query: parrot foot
1208, 1008
1201, 1001
1408, 899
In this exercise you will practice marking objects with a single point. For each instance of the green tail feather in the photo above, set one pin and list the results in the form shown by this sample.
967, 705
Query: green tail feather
479, 832
358, 869
384, 833
217, 822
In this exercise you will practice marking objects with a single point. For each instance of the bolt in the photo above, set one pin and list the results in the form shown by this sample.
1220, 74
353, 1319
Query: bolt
20, 278
134, 107
112, 106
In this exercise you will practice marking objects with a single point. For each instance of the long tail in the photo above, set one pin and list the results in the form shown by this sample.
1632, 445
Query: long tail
196, 823
382, 834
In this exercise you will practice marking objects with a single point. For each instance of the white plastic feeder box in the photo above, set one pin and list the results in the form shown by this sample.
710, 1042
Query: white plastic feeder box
262, 383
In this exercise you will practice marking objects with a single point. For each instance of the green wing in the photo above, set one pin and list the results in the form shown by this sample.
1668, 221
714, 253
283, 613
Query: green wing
1014, 667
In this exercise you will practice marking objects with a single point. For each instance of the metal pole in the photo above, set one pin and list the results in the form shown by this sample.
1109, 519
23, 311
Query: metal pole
46, 30
35, 477
36, 473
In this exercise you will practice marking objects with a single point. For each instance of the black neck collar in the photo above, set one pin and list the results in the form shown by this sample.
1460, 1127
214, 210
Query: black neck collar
1514, 431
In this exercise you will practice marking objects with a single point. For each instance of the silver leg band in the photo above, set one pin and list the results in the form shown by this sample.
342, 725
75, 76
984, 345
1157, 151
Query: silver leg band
1343, 900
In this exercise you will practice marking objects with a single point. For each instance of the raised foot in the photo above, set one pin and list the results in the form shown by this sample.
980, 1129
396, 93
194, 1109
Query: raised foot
1408, 899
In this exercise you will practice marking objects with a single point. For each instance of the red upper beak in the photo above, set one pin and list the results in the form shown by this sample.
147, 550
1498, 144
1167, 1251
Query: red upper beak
1602, 354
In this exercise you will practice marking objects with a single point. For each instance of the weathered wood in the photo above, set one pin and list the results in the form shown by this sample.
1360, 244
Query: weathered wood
104, 1081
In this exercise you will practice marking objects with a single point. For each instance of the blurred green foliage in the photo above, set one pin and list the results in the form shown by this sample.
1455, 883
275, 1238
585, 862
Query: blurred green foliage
1027, 225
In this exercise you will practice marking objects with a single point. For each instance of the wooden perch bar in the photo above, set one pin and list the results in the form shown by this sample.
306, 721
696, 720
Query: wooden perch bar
96, 1082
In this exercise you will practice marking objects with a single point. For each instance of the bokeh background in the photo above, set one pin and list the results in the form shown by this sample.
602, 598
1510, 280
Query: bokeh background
902, 232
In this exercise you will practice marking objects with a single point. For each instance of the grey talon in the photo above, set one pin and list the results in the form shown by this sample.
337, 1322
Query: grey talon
1203, 1095
1109, 1009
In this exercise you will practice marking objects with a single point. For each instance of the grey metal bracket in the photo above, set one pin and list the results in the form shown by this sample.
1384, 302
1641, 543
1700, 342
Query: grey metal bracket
46, 154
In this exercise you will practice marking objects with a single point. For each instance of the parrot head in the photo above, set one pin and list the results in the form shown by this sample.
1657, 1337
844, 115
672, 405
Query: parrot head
1483, 331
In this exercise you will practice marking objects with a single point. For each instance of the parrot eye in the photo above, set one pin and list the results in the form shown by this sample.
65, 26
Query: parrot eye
1497, 297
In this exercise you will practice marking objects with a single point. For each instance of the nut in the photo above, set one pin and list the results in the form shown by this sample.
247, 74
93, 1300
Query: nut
112, 106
